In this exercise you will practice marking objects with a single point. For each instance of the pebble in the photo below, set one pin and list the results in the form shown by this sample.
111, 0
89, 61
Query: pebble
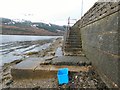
36, 88
9, 82
76, 77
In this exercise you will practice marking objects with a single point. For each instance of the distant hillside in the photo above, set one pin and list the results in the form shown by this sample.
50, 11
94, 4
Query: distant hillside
24, 27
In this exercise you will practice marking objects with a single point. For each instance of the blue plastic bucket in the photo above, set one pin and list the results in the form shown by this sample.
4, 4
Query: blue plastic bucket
63, 76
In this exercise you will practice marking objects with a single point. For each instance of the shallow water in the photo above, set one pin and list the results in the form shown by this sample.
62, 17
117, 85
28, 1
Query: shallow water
13, 38
59, 52
13, 47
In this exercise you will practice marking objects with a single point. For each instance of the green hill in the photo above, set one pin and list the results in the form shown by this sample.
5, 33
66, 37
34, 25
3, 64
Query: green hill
23, 27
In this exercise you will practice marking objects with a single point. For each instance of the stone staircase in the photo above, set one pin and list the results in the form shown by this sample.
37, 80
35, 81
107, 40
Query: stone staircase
73, 43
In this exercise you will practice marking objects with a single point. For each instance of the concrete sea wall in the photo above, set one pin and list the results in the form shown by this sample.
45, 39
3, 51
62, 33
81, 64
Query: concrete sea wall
99, 29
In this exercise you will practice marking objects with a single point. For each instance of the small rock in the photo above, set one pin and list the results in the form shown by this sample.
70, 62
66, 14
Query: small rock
72, 82
91, 72
36, 88
6, 74
81, 80
6, 78
49, 58
9, 82
44, 82
76, 77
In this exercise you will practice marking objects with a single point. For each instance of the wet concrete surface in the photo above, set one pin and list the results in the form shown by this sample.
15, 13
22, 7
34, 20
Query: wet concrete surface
59, 52
29, 63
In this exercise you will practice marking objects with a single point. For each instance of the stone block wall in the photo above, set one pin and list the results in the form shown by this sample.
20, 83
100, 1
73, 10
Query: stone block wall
99, 29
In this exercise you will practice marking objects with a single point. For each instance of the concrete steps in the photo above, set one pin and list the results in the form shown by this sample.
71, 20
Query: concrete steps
76, 53
72, 49
73, 43
43, 71
75, 46
73, 40
34, 68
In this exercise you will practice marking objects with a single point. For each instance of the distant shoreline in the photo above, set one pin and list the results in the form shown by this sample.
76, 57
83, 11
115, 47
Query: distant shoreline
10, 27
31, 35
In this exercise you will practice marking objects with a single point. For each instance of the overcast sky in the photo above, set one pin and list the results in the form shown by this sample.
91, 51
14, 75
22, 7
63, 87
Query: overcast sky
50, 11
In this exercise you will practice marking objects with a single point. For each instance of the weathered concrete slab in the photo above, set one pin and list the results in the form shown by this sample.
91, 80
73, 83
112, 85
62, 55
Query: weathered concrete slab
70, 60
43, 71
31, 68
30, 63
56, 67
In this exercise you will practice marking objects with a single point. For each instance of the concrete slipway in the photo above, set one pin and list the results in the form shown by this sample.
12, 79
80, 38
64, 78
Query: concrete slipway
34, 67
